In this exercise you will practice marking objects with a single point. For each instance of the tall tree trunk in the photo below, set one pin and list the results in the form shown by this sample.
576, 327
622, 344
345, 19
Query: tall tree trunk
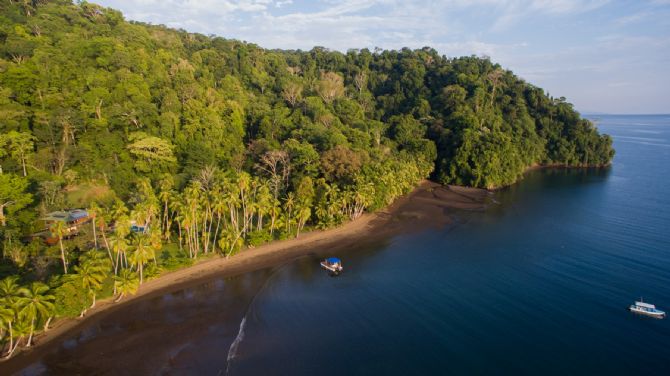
109, 252
273, 217
165, 218
116, 264
32, 330
11, 340
11, 350
46, 325
195, 234
169, 226
209, 231
180, 236
62, 254
95, 235
216, 232
119, 298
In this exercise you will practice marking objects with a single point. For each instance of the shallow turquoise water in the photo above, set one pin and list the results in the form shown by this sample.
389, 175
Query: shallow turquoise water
537, 284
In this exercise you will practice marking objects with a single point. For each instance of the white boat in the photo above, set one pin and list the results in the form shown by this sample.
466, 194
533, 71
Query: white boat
332, 264
646, 309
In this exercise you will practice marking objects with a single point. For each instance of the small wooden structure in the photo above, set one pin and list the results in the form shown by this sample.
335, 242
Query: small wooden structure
73, 220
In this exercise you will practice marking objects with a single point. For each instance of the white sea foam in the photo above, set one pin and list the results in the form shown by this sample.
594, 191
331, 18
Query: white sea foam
647, 139
645, 143
232, 352
646, 131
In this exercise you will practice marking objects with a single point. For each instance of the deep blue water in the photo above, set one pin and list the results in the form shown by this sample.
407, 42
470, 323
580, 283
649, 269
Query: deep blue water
537, 284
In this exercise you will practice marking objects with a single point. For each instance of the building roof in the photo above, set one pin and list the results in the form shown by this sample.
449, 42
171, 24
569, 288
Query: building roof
78, 214
65, 216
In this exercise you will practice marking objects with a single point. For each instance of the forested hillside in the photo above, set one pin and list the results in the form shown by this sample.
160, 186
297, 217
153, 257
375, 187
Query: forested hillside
209, 144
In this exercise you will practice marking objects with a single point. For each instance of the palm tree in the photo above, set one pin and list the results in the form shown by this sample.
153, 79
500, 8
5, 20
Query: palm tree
185, 222
90, 274
288, 204
101, 220
142, 254
219, 207
126, 283
93, 212
20, 329
7, 318
119, 247
119, 210
35, 303
230, 241
264, 203
156, 242
274, 212
10, 289
121, 231
232, 197
122, 226
303, 214
165, 196
59, 230
192, 196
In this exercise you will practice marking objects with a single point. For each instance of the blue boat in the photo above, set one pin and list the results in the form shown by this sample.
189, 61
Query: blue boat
332, 264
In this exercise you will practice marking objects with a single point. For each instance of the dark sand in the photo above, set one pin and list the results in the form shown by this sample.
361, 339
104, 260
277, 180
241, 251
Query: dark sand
145, 318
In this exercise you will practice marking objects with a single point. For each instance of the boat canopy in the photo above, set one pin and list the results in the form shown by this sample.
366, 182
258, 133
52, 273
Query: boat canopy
333, 260
645, 305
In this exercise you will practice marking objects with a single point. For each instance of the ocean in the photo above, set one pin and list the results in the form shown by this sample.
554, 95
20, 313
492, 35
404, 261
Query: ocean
538, 283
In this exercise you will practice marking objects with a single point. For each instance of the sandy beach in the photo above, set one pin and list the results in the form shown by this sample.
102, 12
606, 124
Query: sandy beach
429, 205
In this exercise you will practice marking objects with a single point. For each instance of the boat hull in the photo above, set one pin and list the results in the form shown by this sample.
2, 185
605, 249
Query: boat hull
656, 314
331, 268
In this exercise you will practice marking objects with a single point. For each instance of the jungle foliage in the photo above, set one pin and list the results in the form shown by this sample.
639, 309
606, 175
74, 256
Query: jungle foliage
214, 144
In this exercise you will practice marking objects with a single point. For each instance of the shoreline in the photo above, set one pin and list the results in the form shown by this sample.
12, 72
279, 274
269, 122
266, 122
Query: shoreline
424, 207
538, 167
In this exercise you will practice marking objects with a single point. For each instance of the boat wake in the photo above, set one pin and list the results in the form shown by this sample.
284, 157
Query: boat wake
232, 352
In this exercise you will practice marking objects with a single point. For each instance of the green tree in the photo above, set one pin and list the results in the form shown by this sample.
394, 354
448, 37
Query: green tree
13, 196
36, 304
119, 246
20, 145
10, 289
330, 87
7, 319
142, 253
91, 273
126, 283
150, 151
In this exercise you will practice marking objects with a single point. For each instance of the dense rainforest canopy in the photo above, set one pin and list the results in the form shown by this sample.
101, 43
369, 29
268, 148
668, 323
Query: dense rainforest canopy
214, 144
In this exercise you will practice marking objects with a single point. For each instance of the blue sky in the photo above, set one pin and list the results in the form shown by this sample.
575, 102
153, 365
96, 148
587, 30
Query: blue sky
608, 56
